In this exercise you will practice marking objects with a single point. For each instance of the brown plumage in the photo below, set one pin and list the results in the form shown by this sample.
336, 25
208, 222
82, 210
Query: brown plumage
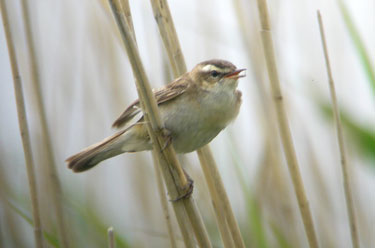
194, 108
172, 90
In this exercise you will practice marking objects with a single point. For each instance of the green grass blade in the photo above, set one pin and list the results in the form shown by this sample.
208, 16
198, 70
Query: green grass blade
87, 217
51, 239
363, 137
281, 240
359, 45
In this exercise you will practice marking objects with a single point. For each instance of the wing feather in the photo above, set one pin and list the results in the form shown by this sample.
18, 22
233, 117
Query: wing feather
169, 92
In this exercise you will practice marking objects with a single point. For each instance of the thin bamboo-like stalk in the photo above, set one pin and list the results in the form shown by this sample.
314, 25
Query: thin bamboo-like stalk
220, 216
124, 4
271, 166
169, 36
164, 201
9, 220
340, 138
50, 168
111, 238
285, 133
170, 40
196, 221
175, 179
171, 43
205, 154
140, 191
23, 125
125, 9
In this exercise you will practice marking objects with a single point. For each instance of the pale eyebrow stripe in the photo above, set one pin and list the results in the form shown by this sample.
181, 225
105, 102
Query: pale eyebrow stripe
208, 68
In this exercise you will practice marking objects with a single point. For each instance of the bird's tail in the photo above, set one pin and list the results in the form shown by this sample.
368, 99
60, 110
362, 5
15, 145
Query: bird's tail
132, 139
96, 153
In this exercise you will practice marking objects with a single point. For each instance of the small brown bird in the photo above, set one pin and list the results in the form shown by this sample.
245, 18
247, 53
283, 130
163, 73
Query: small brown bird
194, 108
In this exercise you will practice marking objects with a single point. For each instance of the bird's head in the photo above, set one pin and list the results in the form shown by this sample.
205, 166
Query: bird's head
213, 74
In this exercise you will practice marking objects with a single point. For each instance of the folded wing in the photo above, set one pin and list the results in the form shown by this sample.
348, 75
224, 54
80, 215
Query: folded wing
171, 91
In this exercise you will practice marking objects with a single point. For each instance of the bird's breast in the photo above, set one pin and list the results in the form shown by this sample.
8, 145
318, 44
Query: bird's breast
195, 122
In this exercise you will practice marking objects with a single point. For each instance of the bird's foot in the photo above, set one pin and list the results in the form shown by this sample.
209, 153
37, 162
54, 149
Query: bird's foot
187, 190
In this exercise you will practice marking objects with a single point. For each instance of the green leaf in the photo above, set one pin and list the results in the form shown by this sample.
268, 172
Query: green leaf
88, 217
359, 45
363, 137
51, 239
281, 240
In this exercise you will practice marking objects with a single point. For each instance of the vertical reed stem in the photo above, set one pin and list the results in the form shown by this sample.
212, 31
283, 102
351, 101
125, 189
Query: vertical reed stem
111, 238
213, 174
50, 168
23, 125
163, 199
340, 138
220, 214
175, 179
168, 33
169, 36
285, 133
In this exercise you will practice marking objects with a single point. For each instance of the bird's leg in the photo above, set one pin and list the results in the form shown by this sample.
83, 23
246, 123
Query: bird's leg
187, 190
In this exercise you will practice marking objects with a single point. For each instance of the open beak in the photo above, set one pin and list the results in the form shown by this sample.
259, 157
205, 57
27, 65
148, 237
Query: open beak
236, 74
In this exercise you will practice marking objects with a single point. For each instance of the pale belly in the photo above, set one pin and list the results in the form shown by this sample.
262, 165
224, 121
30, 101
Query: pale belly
193, 125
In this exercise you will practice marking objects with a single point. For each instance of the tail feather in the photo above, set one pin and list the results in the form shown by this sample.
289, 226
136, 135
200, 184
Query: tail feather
132, 139
96, 153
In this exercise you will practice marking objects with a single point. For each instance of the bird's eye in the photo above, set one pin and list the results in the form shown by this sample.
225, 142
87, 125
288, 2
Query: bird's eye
214, 73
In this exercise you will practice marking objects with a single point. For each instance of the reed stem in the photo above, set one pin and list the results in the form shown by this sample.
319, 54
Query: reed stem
23, 125
340, 139
174, 176
50, 166
285, 133
168, 33
125, 6
111, 238
219, 212
164, 201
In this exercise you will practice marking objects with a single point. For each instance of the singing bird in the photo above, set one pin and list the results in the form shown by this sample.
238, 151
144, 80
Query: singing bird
194, 109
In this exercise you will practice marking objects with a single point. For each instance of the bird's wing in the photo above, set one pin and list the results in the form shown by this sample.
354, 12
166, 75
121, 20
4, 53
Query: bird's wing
169, 92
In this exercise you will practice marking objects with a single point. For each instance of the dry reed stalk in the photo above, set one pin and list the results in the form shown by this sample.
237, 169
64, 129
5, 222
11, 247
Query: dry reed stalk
164, 201
254, 51
171, 43
205, 154
285, 133
50, 167
124, 5
272, 193
325, 209
174, 176
111, 237
252, 43
23, 125
125, 10
169, 36
197, 223
9, 220
271, 175
220, 217
340, 138
139, 171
